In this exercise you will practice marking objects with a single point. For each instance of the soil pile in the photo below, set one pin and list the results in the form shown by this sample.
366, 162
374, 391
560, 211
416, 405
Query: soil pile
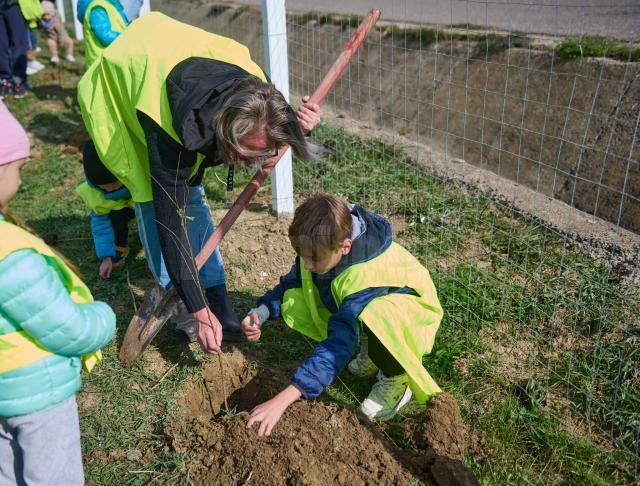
441, 429
314, 443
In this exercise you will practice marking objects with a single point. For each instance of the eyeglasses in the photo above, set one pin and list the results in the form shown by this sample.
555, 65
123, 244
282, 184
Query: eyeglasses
258, 159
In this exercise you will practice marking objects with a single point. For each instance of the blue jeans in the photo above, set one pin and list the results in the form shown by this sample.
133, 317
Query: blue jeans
200, 228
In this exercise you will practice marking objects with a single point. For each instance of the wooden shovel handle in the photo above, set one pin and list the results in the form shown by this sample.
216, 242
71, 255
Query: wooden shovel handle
318, 96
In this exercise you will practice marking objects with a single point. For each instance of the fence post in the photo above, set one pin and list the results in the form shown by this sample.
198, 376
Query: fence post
60, 9
145, 9
274, 28
77, 26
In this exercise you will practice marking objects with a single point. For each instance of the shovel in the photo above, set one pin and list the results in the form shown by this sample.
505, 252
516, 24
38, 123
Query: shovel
159, 303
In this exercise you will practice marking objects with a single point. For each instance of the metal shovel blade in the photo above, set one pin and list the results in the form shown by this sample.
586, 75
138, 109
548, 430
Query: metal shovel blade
158, 306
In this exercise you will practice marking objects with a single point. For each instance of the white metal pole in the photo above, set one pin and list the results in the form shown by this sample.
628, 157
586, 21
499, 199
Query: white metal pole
146, 8
274, 28
60, 9
76, 24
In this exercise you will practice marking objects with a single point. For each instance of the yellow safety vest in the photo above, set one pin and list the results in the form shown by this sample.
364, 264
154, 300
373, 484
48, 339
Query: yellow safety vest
130, 76
405, 324
31, 11
96, 202
92, 46
18, 349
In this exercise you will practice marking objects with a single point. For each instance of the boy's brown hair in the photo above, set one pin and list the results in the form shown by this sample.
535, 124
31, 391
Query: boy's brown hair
320, 225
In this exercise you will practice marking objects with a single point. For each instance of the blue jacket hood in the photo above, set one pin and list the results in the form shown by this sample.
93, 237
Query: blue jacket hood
370, 234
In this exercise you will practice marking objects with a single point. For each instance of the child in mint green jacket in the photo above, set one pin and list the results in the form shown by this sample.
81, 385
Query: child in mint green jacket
50, 329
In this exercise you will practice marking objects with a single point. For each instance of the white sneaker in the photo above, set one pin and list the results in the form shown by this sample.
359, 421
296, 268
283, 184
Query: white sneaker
33, 67
70, 58
386, 397
362, 365
37, 64
55, 59
38, 49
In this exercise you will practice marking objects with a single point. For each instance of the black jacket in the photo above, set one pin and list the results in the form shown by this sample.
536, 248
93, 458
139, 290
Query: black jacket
196, 88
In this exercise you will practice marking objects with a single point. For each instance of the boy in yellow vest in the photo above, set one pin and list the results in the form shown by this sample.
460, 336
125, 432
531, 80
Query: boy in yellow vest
50, 329
111, 210
351, 277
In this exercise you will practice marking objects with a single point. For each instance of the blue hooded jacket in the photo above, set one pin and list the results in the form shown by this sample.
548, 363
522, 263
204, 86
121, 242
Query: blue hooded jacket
99, 20
102, 227
370, 235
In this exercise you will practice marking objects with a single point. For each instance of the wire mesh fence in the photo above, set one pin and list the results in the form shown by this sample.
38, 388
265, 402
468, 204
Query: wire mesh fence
508, 163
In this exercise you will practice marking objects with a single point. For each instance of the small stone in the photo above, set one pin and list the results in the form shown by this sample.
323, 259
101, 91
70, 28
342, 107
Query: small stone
134, 455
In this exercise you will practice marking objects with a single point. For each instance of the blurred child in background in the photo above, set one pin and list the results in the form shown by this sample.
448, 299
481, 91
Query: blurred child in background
50, 329
111, 210
102, 22
57, 35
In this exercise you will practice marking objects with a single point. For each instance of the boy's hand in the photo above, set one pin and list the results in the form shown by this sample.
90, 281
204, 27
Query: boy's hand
106, 267
250, 326
309, 114
209, 330
268, 414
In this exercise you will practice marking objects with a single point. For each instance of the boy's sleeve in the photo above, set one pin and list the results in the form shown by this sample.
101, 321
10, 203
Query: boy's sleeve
101, 26
273, 299
331, 356
103, 235
32, 295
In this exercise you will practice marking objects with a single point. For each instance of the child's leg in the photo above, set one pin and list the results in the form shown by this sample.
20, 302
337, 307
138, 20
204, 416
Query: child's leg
63, 38
382, 358
46, 446
68, 46
10, 458
52, 43
120, 222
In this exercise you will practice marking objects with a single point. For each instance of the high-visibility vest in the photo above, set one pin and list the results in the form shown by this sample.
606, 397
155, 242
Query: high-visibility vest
18, 349
130, 76
31, 11
405, 324
96, 202
92, 46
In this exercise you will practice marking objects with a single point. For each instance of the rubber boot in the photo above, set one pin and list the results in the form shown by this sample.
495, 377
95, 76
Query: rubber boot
183, 324
220, 305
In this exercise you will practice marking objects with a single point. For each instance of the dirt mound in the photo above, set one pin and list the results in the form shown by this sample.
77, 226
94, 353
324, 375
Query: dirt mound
244, 385
314, 443
441, 429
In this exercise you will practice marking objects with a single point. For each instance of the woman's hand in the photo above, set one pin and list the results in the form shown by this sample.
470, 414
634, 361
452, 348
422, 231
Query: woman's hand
268, 414
209, 330
309, 114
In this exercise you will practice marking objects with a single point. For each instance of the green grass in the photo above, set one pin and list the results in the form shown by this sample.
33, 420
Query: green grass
495, 271
510, 288
594, 46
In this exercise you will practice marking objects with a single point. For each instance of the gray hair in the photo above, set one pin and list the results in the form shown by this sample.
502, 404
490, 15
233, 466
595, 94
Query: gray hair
254, 105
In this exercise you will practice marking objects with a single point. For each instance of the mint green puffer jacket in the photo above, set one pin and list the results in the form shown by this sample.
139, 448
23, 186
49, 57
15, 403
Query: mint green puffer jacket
33, 299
